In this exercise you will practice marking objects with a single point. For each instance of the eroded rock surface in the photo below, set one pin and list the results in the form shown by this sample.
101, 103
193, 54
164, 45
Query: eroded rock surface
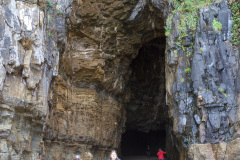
28, 62
202, 83
73, 73
82, 120
219, 151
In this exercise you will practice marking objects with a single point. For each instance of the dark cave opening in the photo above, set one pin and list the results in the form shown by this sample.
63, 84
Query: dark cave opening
147, 113
136, 143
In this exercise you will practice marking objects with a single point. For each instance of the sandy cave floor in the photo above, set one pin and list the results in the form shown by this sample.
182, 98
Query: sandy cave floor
140, 158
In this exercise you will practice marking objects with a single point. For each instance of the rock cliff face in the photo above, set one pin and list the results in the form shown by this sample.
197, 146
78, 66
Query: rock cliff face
28, 66
202, 83
76, 74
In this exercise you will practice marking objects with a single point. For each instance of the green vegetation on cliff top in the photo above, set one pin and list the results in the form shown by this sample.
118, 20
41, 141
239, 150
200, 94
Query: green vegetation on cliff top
188, 12
235, 8
189, 15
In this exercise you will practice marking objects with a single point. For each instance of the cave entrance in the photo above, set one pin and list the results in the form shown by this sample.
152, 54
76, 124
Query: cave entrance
135, 143
147, 114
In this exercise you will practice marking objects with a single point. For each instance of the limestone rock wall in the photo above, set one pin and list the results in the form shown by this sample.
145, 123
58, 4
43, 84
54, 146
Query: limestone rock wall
92, 43
219, 151
201, 84
82, 121
103, 41
65, 65
29, 59
94, 69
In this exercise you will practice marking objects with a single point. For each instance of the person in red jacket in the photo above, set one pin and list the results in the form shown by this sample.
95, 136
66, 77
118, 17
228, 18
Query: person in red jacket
160, 154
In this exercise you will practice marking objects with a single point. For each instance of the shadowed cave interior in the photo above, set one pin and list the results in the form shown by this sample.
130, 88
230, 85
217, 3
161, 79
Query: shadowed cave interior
147, 113
135, 143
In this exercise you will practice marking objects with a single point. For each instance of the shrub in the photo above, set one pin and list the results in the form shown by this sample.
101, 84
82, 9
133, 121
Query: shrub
217, 26
187, 70
235, 8
182, 80
220, 89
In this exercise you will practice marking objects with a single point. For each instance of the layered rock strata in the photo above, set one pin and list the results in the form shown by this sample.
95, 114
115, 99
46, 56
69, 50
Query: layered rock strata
29, 60
70, 72
82, 121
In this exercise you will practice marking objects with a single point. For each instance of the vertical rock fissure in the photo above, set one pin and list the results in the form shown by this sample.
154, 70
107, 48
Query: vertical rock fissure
146, 110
